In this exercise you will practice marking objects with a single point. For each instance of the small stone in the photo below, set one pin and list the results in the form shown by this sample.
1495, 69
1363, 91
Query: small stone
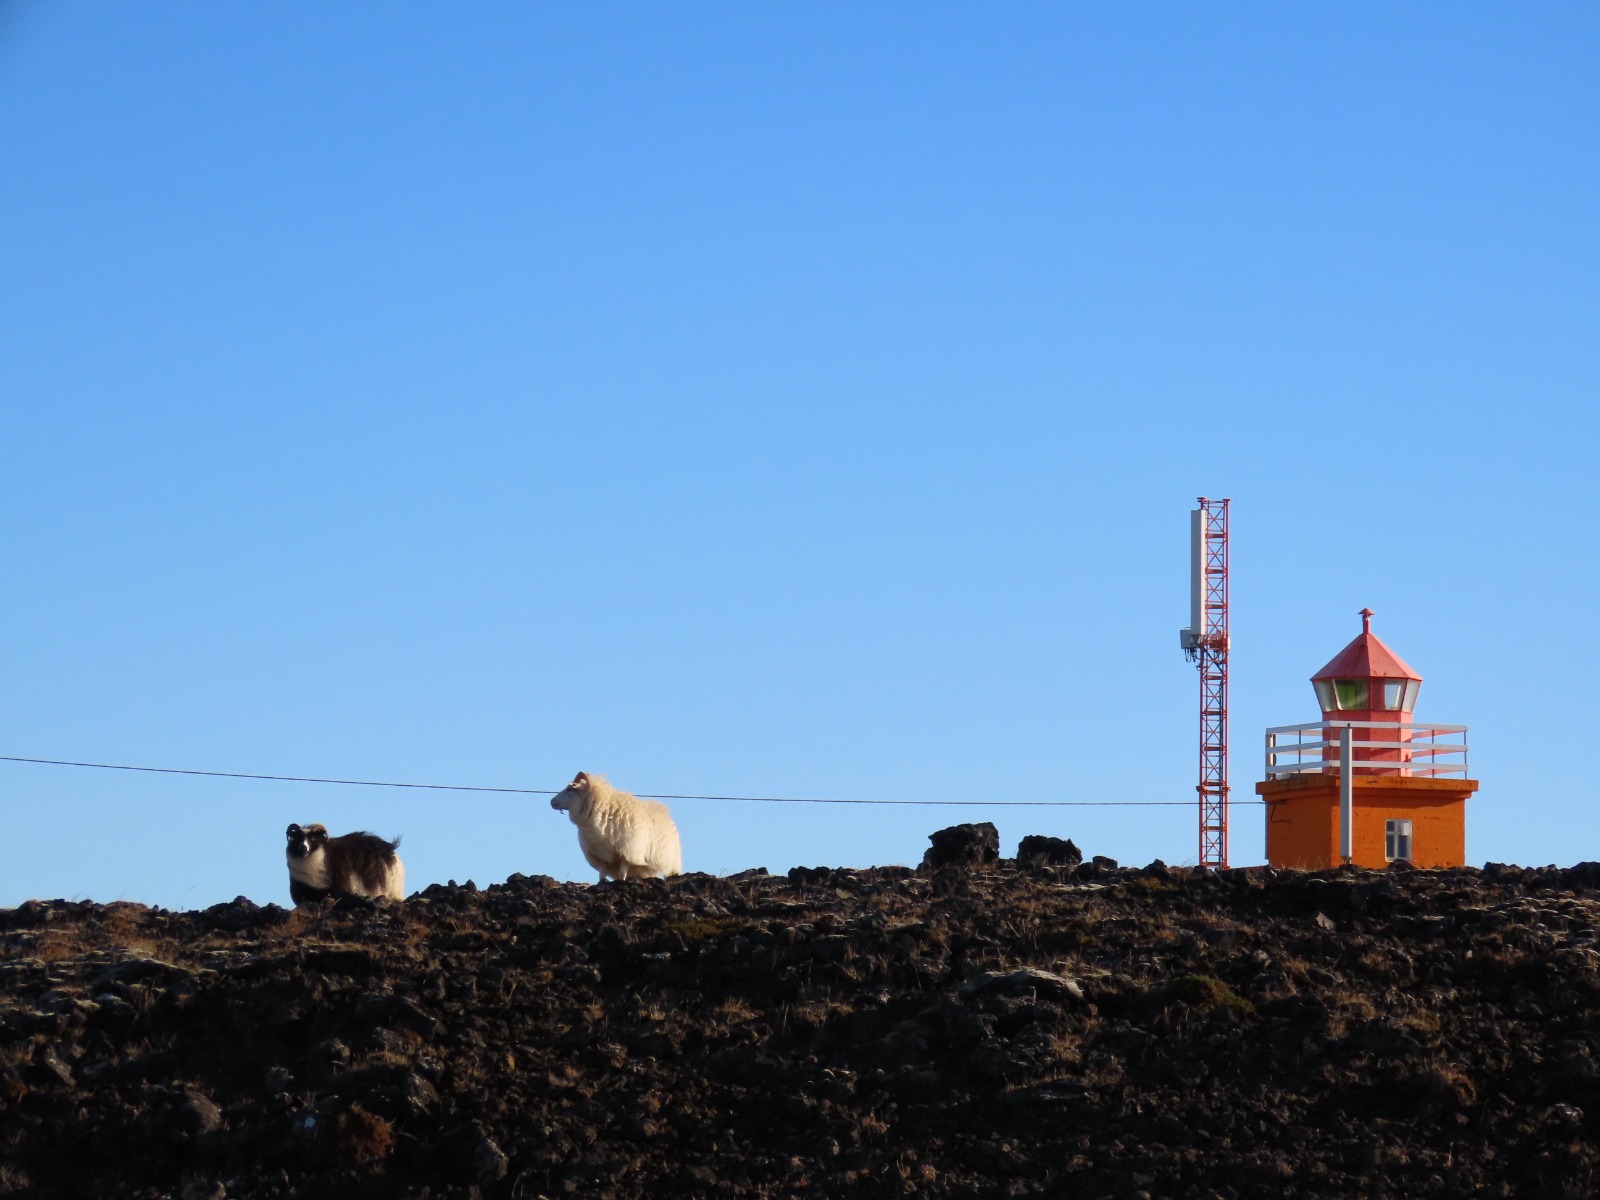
1025, 979
334, 1051
54, 1071
420, 1095
192, 1116
489, 1162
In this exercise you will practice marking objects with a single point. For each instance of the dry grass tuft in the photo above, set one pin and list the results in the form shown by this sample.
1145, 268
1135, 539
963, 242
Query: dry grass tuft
735, 1008
1202, 991
695, 930
363, 1137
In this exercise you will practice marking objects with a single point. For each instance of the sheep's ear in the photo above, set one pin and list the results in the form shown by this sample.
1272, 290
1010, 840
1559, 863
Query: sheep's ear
580, 780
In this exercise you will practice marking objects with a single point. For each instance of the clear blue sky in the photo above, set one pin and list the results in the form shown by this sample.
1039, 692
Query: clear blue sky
799, 400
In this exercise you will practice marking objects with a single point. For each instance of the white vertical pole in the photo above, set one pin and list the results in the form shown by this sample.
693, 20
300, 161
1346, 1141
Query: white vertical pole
1197, 572
1346, 798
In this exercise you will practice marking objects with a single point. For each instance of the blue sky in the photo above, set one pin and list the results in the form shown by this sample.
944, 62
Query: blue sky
795, 400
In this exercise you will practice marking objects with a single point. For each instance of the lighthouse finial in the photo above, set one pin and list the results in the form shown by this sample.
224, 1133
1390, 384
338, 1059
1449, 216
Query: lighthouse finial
1366, 620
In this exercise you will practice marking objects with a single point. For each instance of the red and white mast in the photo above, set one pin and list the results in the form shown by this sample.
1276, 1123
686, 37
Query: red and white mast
1206, 644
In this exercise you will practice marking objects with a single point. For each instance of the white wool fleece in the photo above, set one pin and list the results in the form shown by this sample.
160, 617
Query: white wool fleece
621, 835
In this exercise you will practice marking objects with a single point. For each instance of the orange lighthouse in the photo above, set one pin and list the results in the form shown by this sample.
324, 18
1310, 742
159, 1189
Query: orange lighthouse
1366, 785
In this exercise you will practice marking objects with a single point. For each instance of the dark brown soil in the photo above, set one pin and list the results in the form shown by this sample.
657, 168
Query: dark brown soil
985, 1031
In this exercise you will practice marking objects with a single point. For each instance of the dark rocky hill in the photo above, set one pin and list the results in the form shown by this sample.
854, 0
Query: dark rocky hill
992, 1031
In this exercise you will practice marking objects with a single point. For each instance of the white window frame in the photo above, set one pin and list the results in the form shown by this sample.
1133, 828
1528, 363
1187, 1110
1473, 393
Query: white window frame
1398, 838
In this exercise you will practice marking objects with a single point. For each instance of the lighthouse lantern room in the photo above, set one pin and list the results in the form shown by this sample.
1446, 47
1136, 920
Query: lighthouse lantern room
1366, 784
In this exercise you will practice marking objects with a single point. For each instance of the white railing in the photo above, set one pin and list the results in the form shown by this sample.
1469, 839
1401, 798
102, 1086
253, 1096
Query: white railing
1416, 750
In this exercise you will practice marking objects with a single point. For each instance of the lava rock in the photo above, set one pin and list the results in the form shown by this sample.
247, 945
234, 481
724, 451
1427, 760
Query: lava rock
191, 1116
810, 874
489, 1162
1037, 850
50, 1071
1024, 980
963, 846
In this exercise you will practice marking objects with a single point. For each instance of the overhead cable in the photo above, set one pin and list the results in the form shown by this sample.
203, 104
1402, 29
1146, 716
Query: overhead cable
458, 787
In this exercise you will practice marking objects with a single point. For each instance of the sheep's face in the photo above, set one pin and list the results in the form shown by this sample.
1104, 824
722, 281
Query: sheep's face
305, 840
307, 854
574, 798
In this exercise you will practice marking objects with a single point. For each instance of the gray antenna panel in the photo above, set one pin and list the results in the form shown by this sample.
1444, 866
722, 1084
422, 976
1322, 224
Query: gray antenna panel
1197, 574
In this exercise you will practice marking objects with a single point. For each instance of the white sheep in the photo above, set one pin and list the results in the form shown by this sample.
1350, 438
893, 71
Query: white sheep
620, 834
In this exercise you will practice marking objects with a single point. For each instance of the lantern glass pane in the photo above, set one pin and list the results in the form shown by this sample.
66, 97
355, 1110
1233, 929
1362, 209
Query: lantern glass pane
1325, 695
1393, 690
1351, 693
1409, 702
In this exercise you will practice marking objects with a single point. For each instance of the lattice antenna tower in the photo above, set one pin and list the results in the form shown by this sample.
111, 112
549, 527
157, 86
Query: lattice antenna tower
1205, 642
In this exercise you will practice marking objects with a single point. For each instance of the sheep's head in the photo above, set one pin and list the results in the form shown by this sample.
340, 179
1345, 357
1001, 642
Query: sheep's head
574, 798
306, 839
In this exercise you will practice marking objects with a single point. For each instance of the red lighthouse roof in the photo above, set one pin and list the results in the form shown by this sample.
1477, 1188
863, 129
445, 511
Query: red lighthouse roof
1366, 658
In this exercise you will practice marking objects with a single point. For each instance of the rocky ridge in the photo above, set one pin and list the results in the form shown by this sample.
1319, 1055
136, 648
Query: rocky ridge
979, 1029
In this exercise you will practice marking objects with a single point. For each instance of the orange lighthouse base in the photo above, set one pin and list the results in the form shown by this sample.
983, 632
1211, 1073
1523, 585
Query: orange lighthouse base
1303, 820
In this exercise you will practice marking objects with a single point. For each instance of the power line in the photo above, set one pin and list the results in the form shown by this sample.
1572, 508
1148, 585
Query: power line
437, 787
455, 787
